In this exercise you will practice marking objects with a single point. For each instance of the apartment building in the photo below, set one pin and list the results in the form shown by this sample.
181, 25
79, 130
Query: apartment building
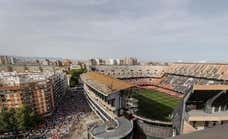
7, 60
41, 91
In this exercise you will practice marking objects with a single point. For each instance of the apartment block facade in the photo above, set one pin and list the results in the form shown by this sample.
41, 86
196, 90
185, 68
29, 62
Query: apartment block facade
41, 91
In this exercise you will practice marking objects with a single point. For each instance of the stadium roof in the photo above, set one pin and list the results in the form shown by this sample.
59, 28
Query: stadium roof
210, 87
104, 83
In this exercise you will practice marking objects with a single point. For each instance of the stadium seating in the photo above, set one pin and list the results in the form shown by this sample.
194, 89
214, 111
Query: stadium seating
132, 71
210, 71
183, 84
177, 77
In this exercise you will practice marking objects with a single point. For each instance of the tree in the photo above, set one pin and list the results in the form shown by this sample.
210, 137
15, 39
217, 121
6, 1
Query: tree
13, 120
26, 118
8, 121
75, 74
4, 119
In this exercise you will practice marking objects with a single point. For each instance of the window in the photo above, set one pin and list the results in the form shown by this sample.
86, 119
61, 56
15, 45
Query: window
112, 102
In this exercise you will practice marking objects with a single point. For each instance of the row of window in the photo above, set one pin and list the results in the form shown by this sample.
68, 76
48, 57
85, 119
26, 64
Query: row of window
103, 97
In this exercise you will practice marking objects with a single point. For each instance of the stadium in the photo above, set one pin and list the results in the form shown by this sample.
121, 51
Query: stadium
108, 98
177, 98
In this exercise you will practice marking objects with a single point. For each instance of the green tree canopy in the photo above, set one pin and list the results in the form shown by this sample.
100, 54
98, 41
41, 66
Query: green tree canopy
26, 117
75, 75
23, 118
8, 121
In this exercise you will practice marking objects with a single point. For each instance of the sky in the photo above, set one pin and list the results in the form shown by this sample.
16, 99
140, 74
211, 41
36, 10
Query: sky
151, 30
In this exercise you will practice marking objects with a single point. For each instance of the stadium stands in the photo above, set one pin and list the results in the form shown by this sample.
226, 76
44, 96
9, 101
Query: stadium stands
183, 84
204, 70
125, 72
177, 77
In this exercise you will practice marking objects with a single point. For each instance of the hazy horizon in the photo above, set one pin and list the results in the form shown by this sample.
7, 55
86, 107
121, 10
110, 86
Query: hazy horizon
151, 30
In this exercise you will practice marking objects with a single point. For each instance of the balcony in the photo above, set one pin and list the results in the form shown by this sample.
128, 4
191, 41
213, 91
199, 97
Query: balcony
102, 104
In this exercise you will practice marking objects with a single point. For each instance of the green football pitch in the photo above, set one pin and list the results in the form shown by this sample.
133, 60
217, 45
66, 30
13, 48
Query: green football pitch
155, 105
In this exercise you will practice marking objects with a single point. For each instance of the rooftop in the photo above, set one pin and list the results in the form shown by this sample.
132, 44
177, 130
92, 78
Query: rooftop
7, 89
104, 83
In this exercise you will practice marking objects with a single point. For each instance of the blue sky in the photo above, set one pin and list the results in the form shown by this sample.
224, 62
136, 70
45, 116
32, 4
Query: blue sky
158, 30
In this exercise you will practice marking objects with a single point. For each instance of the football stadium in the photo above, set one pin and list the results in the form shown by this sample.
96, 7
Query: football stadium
150, 101
174, 99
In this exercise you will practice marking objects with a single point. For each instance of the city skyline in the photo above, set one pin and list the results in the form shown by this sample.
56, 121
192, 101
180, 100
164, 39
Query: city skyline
114, 69
149, 30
